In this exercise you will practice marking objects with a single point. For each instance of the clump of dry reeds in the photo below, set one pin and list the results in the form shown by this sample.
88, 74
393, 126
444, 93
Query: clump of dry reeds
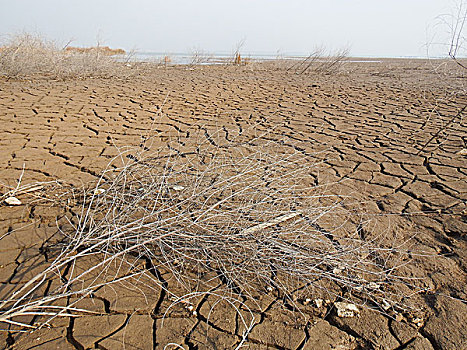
321, 62
247, 215
27, 55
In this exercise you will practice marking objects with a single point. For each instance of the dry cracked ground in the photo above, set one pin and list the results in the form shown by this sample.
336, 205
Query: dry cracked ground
388, 134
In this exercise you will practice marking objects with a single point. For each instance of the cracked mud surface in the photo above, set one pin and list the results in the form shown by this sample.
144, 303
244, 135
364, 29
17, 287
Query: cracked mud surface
368, 131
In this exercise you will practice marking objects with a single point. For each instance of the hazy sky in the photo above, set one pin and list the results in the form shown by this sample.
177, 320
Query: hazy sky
368, 27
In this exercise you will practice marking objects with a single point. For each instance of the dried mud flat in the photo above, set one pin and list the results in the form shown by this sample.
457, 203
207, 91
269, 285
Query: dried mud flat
367, 129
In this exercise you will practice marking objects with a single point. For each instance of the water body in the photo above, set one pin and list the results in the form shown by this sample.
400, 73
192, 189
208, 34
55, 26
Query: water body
200, 58
219, 58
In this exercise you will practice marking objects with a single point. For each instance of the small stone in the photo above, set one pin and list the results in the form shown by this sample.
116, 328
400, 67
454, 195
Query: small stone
399, 317
418, 321
385, 305
178, 188
337, 271
346, 309
13, 201
99, 191
319, 303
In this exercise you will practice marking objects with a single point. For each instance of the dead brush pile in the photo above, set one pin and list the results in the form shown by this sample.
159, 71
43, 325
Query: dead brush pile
240, 219
27, 55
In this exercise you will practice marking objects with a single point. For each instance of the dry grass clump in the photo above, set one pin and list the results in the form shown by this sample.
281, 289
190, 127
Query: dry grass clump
27, 55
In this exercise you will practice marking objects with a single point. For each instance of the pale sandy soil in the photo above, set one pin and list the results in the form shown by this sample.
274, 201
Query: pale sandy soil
365, 126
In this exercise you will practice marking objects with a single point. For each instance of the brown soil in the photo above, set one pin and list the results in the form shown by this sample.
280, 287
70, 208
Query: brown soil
368, 126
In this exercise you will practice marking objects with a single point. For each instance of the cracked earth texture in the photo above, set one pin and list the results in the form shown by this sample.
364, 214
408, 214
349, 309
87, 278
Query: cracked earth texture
368, 128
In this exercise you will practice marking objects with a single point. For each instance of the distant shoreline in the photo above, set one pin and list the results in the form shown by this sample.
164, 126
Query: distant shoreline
213, 58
